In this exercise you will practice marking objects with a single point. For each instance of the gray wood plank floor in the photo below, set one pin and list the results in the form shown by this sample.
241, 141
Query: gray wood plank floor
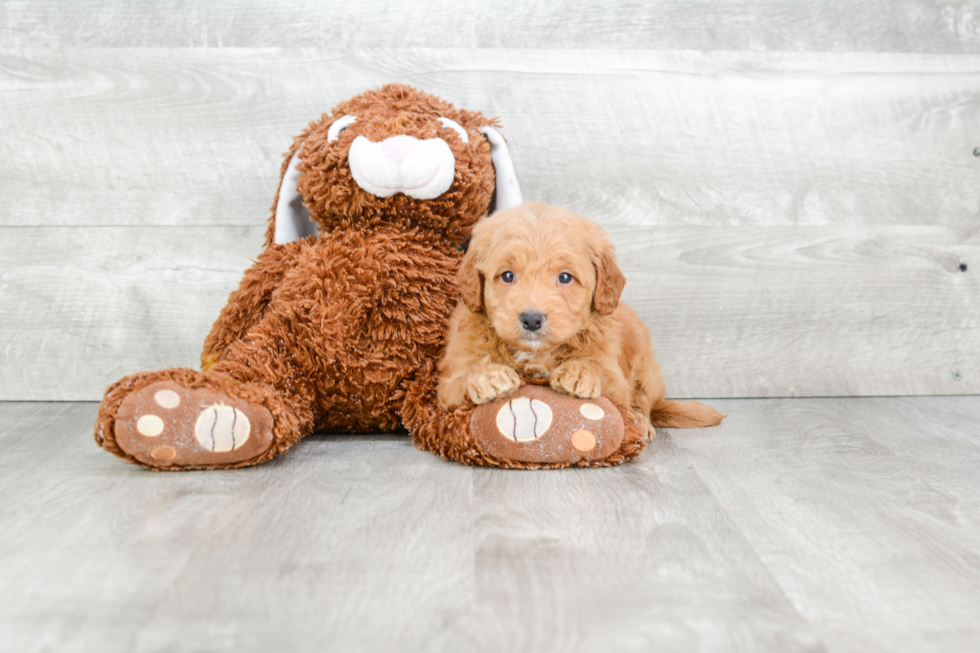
799, 524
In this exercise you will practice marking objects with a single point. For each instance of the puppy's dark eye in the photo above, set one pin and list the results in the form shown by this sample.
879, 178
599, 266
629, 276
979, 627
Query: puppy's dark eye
507, 277
565, 277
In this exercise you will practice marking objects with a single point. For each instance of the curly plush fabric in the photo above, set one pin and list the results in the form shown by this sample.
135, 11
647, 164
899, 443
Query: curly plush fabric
338, 331
448, 433
335, 200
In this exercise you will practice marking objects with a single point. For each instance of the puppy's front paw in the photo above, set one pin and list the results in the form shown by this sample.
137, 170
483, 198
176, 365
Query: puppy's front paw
648, 431
492, 382
576, 379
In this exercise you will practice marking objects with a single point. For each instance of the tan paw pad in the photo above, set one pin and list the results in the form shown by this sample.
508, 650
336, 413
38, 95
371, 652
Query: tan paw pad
591, 411
164, 454
583, 440
167, 398
150, 426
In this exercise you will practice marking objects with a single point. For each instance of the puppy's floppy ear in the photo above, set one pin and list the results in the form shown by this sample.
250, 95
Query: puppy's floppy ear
470, 281
609, 281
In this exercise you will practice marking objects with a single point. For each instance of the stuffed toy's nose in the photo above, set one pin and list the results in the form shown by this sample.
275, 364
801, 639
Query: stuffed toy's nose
421, 169
398, 148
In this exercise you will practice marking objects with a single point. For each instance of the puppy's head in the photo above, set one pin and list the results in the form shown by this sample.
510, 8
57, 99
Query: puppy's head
541, 273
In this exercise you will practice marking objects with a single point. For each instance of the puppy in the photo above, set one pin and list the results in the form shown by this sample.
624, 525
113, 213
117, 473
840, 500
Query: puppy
540, 297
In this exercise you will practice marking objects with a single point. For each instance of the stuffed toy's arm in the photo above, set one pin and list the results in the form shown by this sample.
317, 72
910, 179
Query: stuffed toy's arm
247, 305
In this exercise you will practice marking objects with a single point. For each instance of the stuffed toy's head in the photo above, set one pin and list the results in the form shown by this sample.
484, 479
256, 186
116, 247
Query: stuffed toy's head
394, 156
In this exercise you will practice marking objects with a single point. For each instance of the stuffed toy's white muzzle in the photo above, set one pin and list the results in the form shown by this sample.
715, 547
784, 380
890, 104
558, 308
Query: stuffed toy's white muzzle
421, 169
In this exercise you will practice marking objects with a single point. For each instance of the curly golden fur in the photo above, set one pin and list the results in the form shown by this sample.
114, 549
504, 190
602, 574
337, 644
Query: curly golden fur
336, 202
540, 292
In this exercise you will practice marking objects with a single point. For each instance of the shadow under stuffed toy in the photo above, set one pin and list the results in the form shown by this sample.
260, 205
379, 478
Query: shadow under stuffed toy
339, 324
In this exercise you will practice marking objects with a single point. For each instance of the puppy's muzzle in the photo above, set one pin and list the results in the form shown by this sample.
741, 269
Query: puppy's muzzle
531, 320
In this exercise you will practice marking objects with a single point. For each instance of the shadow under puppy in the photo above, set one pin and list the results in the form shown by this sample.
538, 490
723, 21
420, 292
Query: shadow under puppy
540, 295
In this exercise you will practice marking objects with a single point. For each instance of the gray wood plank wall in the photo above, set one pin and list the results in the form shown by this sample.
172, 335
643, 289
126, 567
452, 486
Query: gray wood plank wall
832, 25
792, 186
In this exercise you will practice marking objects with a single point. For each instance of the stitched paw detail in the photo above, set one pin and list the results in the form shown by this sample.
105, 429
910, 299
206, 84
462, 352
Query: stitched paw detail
221, 428
523, 419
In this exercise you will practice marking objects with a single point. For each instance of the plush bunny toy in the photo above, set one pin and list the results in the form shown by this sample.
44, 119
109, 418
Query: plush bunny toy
339, 324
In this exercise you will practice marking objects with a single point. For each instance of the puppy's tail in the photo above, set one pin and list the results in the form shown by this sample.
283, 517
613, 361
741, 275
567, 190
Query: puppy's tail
684, 415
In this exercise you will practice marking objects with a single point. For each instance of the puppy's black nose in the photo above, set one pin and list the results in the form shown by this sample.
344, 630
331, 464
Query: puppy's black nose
532, 320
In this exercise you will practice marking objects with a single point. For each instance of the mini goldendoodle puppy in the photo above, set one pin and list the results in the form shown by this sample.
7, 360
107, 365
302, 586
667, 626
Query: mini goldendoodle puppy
540, 290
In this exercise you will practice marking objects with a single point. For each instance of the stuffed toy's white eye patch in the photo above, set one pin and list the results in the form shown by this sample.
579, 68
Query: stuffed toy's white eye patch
339, 125
455, 126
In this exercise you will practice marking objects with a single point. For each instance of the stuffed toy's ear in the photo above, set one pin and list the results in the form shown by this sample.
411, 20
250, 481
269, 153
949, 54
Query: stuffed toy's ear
508, 193
291, 219
609, 282
470, 282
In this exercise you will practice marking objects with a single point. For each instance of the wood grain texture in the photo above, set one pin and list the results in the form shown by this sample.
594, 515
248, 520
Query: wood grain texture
287, 553
798, 525
792, 223
832, 25
194, 137
865, 507
80, 304
793, 311
780, 311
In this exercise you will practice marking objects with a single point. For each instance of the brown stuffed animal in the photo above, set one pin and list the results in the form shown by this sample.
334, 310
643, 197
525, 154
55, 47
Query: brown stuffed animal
339, 324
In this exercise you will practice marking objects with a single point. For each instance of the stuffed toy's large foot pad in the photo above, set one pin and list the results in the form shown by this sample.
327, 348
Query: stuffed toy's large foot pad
165, 424
538, 425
